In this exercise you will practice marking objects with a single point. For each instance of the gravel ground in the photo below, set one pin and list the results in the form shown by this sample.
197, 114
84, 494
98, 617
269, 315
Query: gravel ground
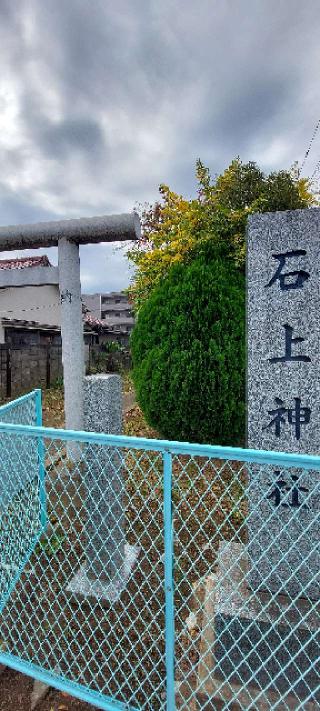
15, 694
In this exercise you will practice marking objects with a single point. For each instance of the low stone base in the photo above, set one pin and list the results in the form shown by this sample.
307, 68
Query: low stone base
39, 692
255, 648
82, 585
237, 698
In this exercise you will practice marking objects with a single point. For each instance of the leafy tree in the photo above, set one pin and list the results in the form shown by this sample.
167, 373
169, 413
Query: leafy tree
188, 349
175, 228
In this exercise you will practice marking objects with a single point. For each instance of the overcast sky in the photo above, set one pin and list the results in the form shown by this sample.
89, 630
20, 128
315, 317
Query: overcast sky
102, 100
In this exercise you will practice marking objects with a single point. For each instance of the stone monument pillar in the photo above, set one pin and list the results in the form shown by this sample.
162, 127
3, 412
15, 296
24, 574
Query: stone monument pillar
283, 310
267, 593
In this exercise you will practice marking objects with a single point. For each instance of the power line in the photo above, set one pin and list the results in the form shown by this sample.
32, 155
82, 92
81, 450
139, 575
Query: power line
316, 129
20, 309
316, 170
31, 308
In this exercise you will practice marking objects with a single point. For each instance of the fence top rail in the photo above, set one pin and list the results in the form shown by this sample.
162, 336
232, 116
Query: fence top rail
8, 406
157, 445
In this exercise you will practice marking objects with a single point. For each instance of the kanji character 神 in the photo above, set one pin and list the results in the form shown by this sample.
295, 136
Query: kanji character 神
296, 416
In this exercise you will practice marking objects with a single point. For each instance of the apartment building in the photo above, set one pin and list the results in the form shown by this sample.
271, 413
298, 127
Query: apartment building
114, 312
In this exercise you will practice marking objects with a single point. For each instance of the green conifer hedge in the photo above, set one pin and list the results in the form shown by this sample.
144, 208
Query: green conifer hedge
188, 350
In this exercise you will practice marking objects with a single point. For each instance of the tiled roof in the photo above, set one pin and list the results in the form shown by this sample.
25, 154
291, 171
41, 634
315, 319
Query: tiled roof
21, 323
23, 262
107, 324
92, 320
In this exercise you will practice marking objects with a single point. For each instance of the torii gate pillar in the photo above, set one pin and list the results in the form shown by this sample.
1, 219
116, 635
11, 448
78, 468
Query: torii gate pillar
71, 332
68, 234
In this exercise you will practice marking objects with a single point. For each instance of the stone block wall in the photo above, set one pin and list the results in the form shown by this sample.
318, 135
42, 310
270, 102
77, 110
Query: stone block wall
28, 367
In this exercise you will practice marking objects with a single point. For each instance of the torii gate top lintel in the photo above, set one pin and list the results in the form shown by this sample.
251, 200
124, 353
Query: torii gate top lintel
86, 230
68, 235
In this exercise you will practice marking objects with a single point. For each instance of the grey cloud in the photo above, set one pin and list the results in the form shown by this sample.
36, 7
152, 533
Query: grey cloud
7, 10
14, 209
72, 135
244, 114
106, 100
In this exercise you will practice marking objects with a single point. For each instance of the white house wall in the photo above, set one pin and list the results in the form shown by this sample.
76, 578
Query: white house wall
30, 303
31, 276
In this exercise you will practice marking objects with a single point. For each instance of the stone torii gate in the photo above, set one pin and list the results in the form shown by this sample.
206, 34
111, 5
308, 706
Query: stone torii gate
68, 235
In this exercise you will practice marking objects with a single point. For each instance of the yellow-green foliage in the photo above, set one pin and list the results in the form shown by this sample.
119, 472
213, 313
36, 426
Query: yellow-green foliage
175, 228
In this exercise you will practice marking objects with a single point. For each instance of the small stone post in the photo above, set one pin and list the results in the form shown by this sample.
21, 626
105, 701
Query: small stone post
109, 558
72, 332
105, 523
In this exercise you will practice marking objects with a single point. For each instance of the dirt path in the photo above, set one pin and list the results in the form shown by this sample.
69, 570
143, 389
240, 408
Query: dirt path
56, 701
15, 690
129, 401
15, 695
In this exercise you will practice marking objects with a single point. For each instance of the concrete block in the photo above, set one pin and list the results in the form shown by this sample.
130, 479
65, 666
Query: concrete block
267, 642
39, 692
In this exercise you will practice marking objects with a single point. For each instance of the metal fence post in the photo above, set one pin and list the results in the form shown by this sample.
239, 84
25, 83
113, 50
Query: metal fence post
48, 365
169, 582
42, 486
8, 372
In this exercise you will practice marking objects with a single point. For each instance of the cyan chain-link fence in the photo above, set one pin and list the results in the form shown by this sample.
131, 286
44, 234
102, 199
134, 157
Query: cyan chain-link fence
21, 491
247, 584
164, 575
